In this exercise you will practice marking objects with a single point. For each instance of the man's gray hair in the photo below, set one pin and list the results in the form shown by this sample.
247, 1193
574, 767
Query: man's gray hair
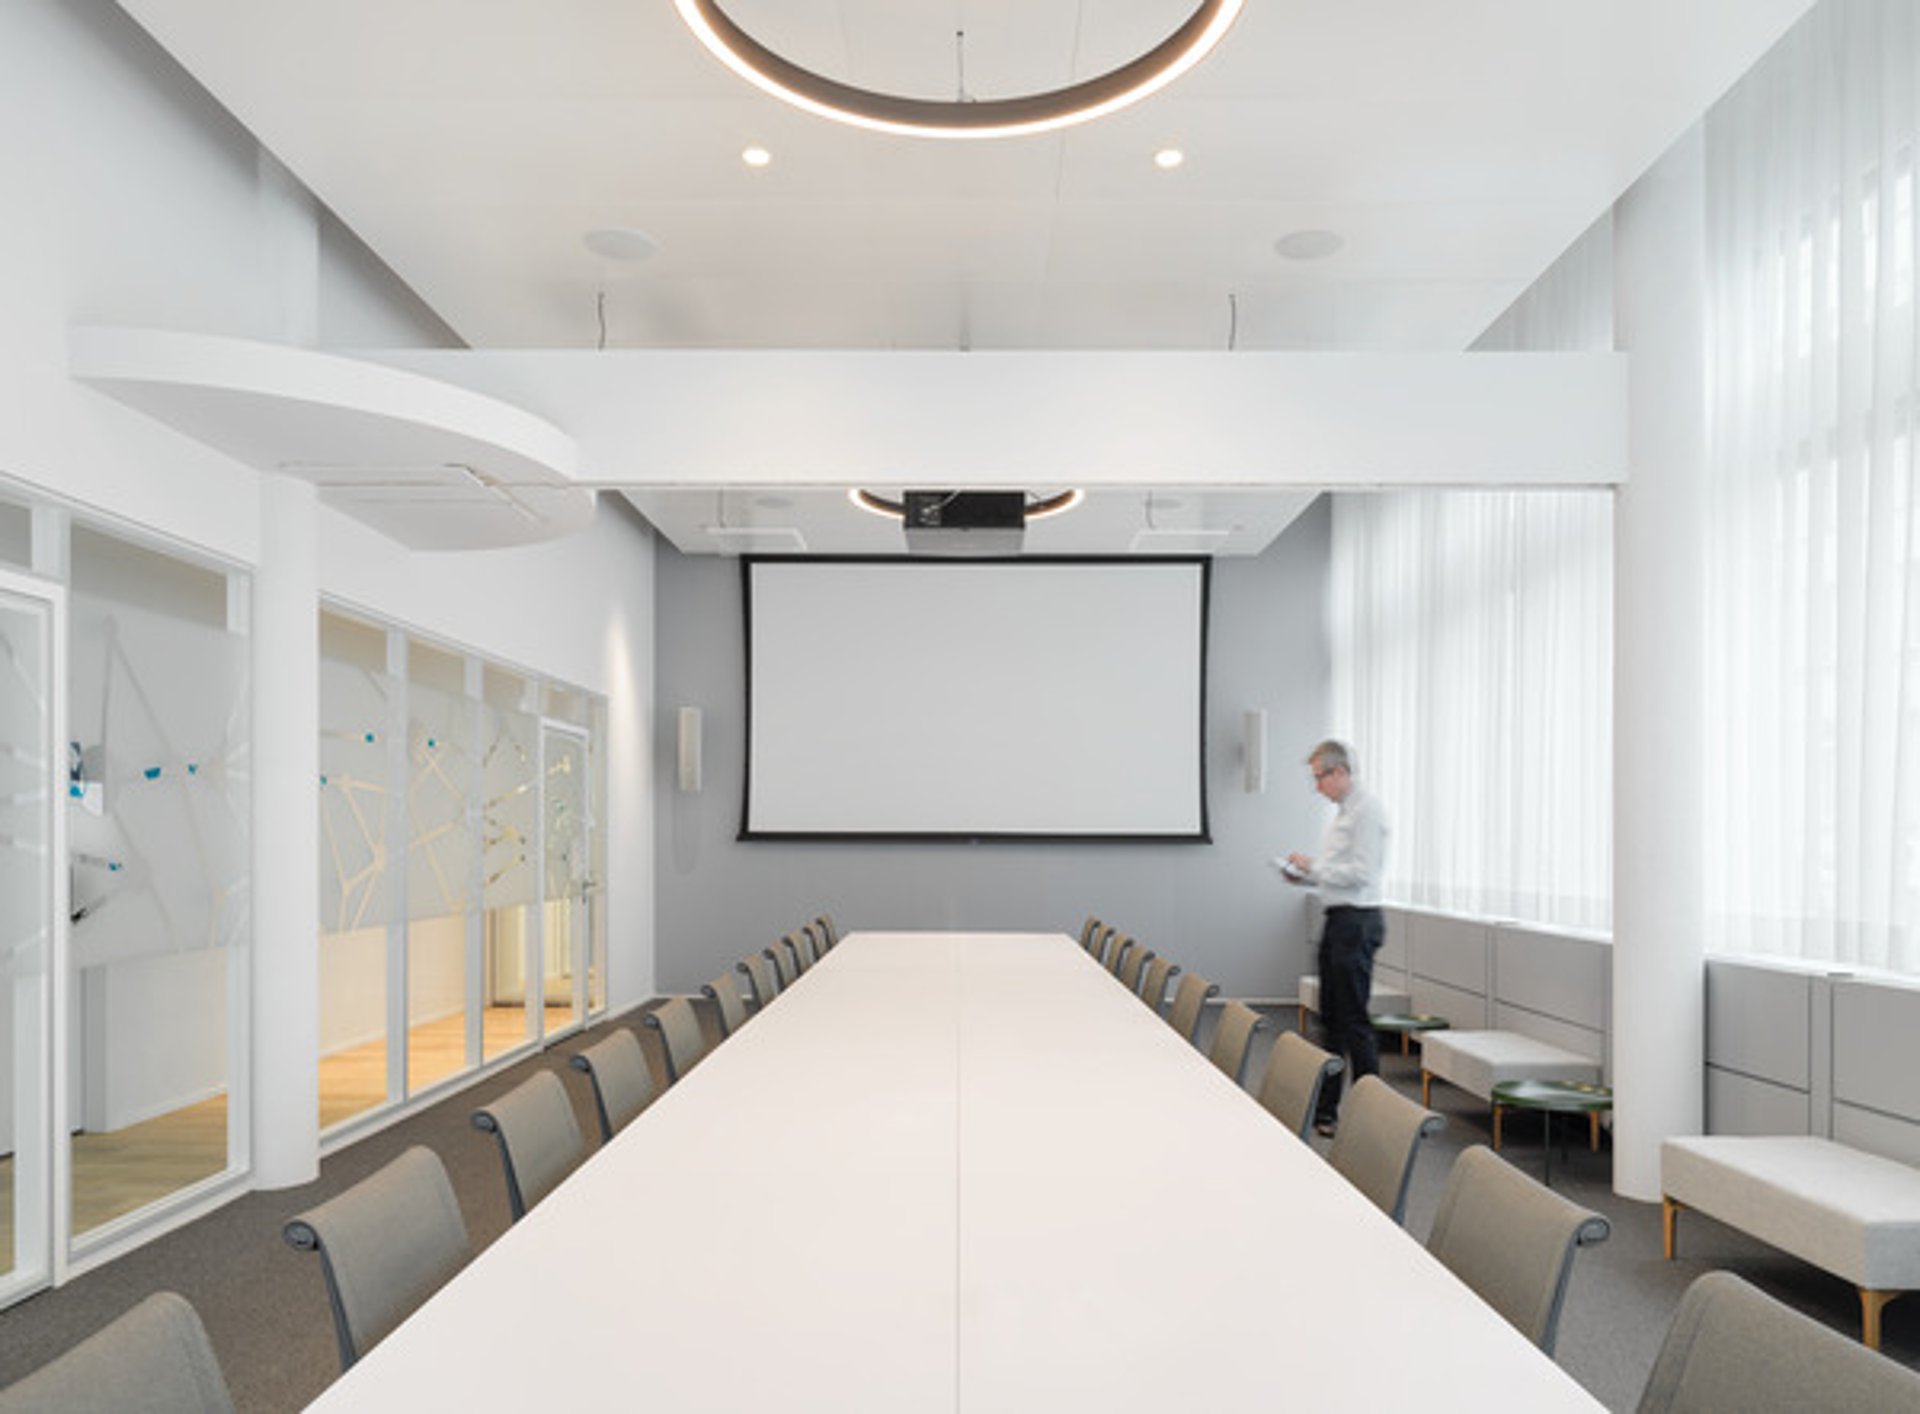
1331, 755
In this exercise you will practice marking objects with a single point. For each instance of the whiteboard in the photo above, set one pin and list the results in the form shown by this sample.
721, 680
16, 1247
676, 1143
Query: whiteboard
975, 699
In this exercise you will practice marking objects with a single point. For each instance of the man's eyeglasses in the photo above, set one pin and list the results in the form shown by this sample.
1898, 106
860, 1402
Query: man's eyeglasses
1320, 773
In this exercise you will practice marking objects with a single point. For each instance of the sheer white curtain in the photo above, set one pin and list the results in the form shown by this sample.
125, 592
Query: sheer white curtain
1473, 657
1813, 696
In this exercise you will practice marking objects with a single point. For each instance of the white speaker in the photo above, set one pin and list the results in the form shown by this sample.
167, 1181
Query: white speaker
690, 748
1256, 750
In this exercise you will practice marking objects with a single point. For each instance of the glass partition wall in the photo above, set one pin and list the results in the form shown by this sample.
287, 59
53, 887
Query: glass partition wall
457, 947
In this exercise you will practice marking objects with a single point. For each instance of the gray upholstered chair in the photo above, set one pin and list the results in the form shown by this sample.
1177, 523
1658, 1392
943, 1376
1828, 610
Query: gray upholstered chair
725, 996
680, 1035
800, 943
622, 1084
1512, 1240
1233, 1039
1189, 999
1133, 967
1117, 955
386, 1244
820, 936
1087, 930
1153, 986
1732, 1346
783, 962
540, 1140
828, 931
1379, 1137
762, 977
1290, 1085
156, 1357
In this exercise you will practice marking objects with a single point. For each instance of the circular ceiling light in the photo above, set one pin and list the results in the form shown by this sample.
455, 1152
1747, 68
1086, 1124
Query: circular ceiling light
756, 156
619, 243
996, 117
1309, 245
1167, 158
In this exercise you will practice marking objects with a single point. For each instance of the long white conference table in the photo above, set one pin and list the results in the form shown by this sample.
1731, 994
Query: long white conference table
955, 1172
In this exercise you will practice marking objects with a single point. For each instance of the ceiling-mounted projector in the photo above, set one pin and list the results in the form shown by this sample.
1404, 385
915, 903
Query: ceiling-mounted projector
973, 523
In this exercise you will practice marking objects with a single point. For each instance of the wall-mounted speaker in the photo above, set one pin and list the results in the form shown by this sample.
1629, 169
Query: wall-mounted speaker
689, 755
1256, 750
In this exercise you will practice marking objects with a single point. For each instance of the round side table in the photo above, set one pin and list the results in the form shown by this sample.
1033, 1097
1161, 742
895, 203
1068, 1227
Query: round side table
1407, 1026
1552, 1097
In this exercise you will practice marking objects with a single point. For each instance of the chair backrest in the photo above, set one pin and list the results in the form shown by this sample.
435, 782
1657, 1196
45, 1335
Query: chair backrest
1512, 1240
1087, 930
1118, 954
680, 1035
1130, 970
1103, 937
1379, 1135
800, 943
725, 996
1188, 1000
540, 1140
1153, 986
783, 964
817, 934
827, 930
1290, 1085
1233, 1039
154, 1357
1732, 1346
622, 1084
386, 1244
760, 973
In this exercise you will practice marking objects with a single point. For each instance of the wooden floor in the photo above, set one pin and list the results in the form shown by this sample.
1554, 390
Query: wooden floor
118, 1172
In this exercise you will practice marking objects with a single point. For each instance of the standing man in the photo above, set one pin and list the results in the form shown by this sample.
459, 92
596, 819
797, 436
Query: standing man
1347, 871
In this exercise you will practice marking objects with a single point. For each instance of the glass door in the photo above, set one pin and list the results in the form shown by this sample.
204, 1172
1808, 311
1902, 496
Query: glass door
566, 848
32, 894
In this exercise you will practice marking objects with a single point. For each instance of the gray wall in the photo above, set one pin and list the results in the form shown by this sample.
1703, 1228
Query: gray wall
1216, 908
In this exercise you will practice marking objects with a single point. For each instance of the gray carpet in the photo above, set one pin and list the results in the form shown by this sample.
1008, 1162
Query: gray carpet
265, 1308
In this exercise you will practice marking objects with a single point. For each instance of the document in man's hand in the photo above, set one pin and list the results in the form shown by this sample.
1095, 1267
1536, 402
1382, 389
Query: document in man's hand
1286, 866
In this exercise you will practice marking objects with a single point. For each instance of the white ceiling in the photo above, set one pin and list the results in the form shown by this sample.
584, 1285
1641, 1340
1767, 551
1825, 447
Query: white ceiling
1456, 148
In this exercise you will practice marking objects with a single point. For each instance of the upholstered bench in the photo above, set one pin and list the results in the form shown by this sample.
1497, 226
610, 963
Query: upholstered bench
1476, 1061
1379, 1001
1846, 1211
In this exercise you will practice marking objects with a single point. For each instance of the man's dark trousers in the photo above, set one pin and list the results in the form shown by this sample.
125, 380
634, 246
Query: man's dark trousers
1348, 941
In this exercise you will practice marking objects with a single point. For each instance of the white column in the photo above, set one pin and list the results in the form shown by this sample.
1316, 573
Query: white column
286, 838
1659, 642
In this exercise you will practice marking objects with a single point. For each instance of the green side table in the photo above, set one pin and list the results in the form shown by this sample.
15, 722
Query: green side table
1552, 1097
1407, 1026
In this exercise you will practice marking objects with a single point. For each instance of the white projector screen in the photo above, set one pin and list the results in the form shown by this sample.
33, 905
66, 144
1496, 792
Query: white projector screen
1012, 699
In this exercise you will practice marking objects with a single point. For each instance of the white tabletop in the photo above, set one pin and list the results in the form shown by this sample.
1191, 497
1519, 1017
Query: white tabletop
955, 1172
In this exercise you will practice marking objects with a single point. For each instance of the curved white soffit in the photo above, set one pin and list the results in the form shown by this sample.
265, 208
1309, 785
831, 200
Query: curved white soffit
432, 465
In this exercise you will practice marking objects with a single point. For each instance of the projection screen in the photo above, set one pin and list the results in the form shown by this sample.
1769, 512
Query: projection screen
974, 699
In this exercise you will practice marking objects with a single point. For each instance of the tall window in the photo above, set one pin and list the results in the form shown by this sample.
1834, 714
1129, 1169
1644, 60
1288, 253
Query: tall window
1813, 687
1473, 659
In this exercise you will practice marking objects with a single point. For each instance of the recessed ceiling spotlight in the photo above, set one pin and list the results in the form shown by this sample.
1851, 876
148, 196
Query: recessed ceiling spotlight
756, 156
1167, 158
1310, 244
619, 243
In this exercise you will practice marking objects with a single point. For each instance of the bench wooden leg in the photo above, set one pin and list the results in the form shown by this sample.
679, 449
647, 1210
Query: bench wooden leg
1303, 1018
1498, 1111
1669, 1218
1593, 1130
1426, 1087
1872, 1303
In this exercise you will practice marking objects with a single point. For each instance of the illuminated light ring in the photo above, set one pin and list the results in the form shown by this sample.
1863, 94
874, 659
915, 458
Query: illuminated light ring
1036, 510
994, 117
